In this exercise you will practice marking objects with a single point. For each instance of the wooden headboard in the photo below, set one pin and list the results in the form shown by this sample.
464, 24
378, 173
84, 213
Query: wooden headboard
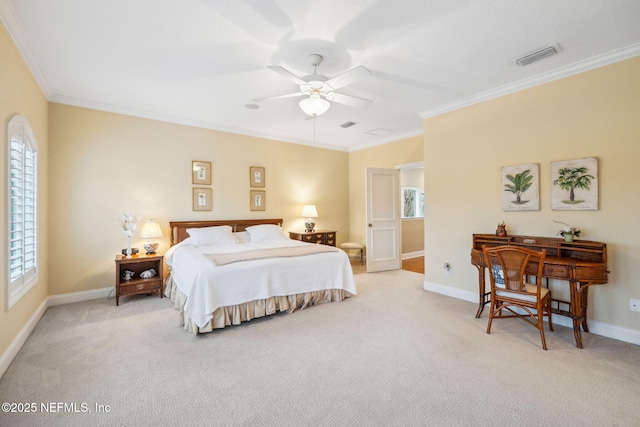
179, 228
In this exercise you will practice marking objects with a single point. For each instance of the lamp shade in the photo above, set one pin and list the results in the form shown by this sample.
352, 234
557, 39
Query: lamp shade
150, 230
314, 105
309, 211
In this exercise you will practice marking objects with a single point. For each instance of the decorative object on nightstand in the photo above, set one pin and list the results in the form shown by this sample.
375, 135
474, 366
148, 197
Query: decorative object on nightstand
148, 274
139, 274
150, 230
310, 212
128, 221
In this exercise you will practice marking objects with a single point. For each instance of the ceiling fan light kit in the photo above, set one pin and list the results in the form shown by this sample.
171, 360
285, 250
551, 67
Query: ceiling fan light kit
314, 105
320, 89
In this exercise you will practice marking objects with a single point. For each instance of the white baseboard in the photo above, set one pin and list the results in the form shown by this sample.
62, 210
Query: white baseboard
412, 255
12, 351
606, 330
78, 296
15, 346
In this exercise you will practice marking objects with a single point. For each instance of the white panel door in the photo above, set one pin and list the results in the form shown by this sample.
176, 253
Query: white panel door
383, 220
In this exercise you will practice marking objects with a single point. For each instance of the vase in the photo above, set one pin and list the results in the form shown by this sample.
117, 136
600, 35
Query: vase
568, 237
128, 246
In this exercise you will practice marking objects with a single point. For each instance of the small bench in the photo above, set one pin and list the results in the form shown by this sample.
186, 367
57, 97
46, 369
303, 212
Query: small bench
350, 246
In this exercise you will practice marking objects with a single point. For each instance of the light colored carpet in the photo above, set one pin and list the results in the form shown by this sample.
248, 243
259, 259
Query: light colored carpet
395, 355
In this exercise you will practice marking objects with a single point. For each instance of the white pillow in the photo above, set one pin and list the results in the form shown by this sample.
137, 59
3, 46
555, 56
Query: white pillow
207, 236
242, 236
266, 233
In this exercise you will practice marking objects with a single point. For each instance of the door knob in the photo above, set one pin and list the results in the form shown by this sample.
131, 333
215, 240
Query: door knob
370, 225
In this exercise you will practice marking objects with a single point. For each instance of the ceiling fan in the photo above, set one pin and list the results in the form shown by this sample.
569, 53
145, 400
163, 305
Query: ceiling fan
320, 89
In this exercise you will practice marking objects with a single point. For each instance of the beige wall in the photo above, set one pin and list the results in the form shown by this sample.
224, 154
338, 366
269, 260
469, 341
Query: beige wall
412, 236
408, 150
593, 114
104, 164
20, 94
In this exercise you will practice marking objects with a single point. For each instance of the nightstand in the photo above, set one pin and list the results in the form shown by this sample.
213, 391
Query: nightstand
321, 237
138, 285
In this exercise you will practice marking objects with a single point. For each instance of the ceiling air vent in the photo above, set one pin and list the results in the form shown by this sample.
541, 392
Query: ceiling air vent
347, 124
536, 56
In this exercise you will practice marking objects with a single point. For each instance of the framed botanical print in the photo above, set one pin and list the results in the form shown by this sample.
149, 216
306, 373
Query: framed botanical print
256, 176
520, 187
202, 199
574, 185
257, 201
201, 172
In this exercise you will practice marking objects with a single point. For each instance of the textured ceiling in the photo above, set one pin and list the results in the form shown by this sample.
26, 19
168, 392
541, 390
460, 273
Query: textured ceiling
199, 62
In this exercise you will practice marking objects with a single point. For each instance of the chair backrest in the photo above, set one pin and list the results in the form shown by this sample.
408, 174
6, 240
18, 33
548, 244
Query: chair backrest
508, 266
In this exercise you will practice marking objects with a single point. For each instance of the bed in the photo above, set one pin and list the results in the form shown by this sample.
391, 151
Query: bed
224, 273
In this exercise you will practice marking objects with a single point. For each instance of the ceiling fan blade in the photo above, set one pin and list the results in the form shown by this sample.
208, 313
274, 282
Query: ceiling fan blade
348, 77
269, 98
287, 74
351, 101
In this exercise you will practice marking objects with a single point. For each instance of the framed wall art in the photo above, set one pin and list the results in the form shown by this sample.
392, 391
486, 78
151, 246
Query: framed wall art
258, 201
256, 176
202, 199
520, 187
201, 172
574, 185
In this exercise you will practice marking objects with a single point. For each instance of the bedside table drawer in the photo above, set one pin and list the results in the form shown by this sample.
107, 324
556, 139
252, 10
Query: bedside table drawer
330, 239
312, 238
140, 286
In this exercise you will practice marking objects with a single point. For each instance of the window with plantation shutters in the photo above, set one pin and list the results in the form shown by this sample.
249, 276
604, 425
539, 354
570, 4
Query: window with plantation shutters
23, 233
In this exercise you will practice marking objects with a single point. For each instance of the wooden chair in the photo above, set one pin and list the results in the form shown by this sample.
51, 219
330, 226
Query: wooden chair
510, 289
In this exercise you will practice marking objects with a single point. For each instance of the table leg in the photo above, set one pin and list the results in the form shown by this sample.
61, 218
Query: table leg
481, 290
584, 293
576, 312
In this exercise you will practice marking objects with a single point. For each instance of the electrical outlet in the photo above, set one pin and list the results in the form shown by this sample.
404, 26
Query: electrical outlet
634, 304
447, 269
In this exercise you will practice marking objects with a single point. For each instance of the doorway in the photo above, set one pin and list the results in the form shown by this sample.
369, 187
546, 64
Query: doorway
412, 205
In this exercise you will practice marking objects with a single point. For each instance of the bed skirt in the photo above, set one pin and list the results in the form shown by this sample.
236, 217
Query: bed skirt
236, 314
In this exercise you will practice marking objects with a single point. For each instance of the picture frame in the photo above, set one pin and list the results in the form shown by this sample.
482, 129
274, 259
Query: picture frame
257, 200
520, 187
256, 176
574, 185
202, 199
201, 172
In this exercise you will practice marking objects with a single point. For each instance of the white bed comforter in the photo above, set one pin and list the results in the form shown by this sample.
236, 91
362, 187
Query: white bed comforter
209, 287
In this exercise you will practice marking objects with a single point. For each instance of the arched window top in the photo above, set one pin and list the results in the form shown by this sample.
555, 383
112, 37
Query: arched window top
20, 131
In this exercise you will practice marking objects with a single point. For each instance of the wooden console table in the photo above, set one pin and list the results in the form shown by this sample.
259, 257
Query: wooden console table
582, 263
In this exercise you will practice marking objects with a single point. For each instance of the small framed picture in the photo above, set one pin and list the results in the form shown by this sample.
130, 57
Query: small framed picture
201, 172
202, 199
256, 176
258, 201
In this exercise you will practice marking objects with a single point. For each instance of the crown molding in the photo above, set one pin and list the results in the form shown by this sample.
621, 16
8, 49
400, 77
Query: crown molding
557, 74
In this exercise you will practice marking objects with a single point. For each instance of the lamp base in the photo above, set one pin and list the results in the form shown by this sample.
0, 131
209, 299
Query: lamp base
309, 225
150, 247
